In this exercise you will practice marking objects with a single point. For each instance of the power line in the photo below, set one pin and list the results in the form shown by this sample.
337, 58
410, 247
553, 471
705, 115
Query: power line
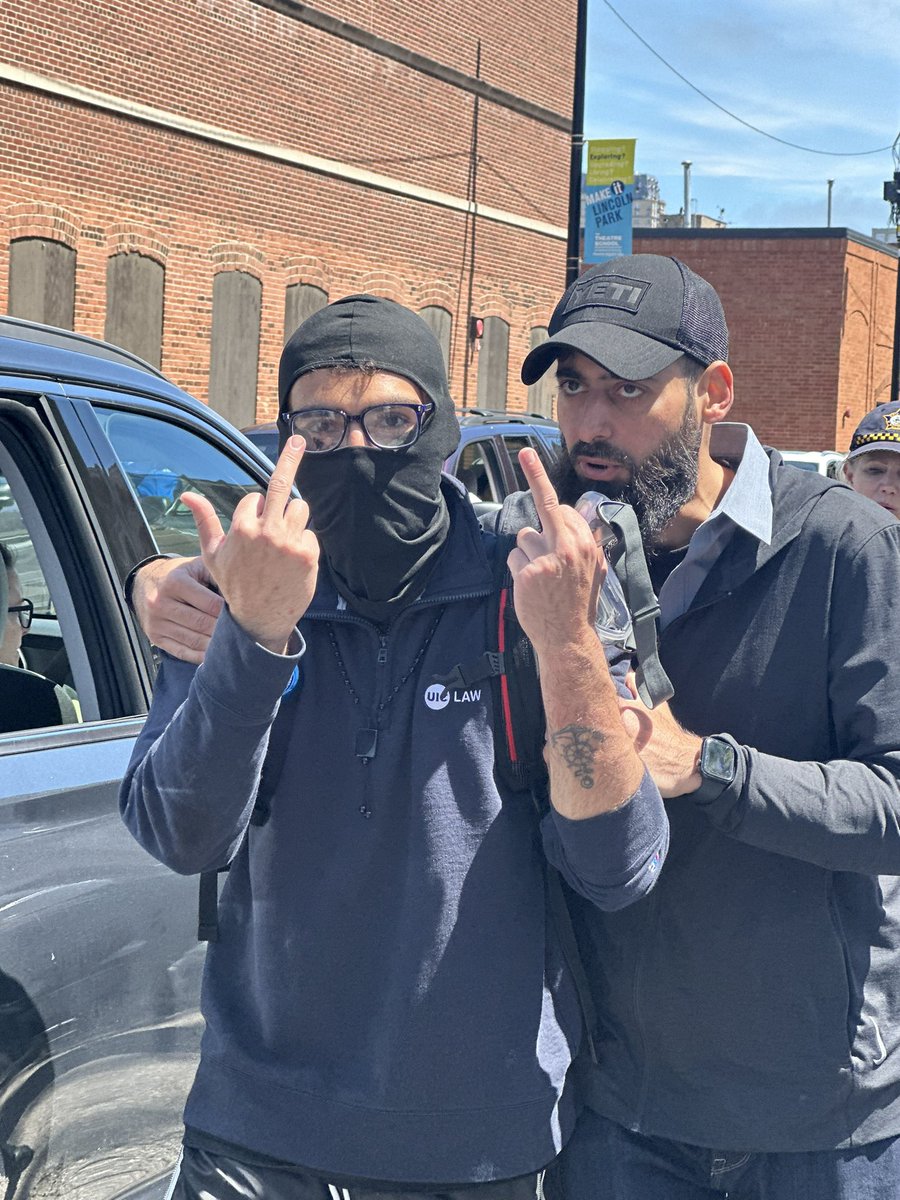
734, 116
528, 200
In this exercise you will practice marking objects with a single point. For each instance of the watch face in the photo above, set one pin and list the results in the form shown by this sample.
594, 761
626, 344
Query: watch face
718, 760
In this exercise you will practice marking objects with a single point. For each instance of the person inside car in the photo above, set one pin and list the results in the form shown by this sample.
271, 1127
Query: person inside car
27, 700
19, 612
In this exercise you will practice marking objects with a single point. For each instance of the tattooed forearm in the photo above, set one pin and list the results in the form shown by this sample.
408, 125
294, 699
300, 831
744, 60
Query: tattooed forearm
577, 744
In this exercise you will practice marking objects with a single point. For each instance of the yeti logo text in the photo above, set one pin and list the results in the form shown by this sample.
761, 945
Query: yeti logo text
437, 696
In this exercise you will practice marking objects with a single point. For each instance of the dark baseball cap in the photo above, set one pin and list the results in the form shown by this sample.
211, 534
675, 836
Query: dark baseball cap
635, 316
878, 430
362, 331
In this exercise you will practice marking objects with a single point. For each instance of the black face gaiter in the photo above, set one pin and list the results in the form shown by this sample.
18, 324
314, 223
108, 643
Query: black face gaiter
380, 518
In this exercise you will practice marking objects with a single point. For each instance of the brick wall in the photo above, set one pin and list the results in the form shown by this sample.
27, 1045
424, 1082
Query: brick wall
103, 181
810, 315
100, 167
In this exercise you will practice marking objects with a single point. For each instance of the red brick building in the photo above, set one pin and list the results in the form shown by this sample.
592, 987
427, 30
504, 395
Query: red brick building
190, 178
811, 318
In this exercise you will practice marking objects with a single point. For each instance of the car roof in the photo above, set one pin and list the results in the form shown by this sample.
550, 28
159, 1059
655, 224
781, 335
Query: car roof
29, 349
67, 339
488, 416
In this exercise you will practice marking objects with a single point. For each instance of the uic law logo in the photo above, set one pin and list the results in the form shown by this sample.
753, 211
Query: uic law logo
438, 697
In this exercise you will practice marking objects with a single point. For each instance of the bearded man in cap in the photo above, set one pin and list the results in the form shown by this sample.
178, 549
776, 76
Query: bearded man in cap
387, 1006
749, 1007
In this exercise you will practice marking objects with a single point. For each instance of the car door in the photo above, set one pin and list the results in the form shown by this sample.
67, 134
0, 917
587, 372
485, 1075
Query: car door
99, 961
478, 466
513, 439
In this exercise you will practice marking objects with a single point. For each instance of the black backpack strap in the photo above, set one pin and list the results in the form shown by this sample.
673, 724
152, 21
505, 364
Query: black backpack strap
629, 562
519, 752
511, 668
273, 765
463, 675
519, 727
208, 907
522, 715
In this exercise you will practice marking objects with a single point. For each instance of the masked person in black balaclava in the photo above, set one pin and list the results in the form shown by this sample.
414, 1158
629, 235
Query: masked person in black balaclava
387, 1010
380, 517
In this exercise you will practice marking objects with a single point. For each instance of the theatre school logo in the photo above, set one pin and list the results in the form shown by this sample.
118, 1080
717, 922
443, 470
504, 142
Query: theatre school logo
437, 696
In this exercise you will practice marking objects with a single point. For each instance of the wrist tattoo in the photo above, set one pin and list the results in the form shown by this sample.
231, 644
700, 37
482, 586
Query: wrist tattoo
577, 744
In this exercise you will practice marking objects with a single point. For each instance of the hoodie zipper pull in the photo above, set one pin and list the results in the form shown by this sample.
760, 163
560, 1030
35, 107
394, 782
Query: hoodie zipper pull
366, 744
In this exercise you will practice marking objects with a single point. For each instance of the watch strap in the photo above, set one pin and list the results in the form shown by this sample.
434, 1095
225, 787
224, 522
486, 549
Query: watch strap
711, 787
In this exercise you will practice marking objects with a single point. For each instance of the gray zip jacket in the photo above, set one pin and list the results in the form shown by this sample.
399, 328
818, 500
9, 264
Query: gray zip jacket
752, 1000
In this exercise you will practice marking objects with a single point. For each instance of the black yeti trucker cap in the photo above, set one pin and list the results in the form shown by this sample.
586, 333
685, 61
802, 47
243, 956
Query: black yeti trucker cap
878, 430
635, 316
361, 330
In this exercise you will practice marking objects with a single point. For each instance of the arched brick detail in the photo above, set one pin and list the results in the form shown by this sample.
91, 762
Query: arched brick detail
237, 256
307, 268
40, 220
126, 238
493, 304
539, 314
382, 283
438, 293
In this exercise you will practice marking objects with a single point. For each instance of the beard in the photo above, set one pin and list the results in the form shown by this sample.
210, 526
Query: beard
659, 485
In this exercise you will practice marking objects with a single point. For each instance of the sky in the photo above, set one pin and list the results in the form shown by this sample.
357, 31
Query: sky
824, 74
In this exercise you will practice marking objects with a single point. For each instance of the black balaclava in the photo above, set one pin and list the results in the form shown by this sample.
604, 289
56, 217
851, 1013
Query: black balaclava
379, 514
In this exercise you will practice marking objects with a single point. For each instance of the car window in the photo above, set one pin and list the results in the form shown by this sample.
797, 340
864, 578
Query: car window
162, 460
516, 442
265, 438
549, 445
478, 469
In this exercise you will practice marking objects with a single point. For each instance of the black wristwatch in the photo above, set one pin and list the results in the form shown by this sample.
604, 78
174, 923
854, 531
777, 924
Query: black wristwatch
718, 766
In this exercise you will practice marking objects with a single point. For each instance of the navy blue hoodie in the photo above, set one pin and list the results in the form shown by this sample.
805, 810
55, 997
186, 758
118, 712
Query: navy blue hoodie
387, 999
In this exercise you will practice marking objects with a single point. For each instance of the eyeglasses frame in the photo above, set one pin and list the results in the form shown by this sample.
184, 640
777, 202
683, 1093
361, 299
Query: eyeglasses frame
421, 411
22, 609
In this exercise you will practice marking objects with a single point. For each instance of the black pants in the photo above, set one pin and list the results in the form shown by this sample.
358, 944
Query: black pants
203, 1175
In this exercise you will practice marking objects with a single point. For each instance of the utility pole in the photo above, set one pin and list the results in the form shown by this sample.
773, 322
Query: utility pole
471, 229
892, 196
830, 183
687, 194
573, 246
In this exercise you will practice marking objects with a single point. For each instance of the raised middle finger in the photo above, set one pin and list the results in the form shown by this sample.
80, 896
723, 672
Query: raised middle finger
545, 499
278, 493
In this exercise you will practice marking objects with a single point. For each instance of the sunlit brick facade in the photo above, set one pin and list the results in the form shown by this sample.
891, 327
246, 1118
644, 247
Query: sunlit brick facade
327, 148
